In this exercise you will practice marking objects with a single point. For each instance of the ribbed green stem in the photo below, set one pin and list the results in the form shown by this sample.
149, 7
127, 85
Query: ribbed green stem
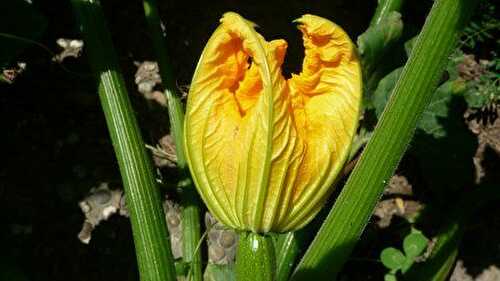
189, 200
143, 198
191, 232
384, 7
342, 228
175, 110
255, 258
287, 249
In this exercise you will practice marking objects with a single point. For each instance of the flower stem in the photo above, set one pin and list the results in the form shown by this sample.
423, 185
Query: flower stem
189, 201
191, 232
255, 258
143, 199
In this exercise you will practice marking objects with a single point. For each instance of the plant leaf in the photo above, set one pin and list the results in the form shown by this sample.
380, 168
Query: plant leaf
446, 162
384, 89
390, 277
215, 272
434, 113
392, 258
409, 45
407, 265
377, 39
414, 244
436, 110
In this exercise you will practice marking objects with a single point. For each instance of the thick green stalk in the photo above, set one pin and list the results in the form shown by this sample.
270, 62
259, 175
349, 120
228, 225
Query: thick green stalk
384, 7
189, 200
255, 258
143, 199
342, 228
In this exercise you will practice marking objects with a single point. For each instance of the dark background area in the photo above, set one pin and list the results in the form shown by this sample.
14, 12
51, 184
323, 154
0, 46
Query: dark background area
55, 144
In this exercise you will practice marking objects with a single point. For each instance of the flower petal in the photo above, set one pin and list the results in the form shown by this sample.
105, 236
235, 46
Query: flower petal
264, 151
240, 135
326, 99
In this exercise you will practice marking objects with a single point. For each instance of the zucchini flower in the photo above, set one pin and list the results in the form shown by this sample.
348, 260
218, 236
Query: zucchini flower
264, 151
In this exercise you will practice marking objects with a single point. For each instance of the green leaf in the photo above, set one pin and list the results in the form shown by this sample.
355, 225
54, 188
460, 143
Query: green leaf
384, 8
407, 265
215, 272
455, 59
475, 98
181, 268
446, 161
378, 38
392, 258
384, 89
434, 113
436, 110
189, 199
409, 45
484, 91
414, 244
390, 277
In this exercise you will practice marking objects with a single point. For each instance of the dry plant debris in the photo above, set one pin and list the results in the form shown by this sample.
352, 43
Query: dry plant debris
164, 152
147, 78
398, 189
488, 135
10, 74
174, 225
70, 48
221, 242
98, 206
102, 202
492, 273
470, 69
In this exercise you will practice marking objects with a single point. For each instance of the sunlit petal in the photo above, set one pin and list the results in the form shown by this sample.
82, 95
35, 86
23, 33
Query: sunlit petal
263, 151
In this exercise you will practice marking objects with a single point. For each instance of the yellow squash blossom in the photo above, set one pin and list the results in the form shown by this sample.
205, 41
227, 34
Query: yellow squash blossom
265, 151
